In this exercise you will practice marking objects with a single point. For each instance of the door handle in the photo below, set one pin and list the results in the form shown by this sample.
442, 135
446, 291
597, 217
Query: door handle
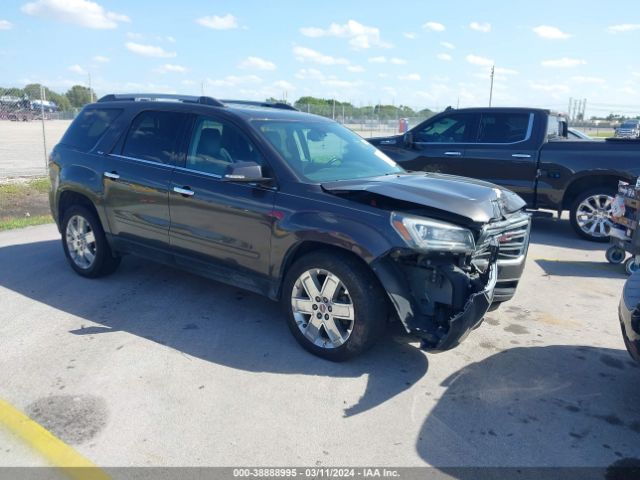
521, 155
112, 175
453, 154
184, 191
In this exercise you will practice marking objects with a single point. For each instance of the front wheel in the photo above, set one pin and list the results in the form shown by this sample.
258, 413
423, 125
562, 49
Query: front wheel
85, 244
336, 308
590, 214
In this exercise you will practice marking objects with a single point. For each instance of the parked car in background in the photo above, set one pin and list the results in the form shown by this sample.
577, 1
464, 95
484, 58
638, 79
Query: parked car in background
628, 129
629, 315
289, 205
574, 134
527, 151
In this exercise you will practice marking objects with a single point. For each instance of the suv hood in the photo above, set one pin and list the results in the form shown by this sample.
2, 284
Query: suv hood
479, 201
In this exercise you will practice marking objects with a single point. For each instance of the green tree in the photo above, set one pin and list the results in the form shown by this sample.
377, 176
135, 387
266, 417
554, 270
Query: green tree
79, 96
33, 92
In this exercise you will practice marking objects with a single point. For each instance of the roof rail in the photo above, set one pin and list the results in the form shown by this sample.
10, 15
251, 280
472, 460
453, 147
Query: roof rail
280, 105
148, 97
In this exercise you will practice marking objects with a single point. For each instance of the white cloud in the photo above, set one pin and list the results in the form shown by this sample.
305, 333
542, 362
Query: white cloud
398, 61
564, 62
549, 87
188, 83
484, 27
234, 80
171, 67
79, 12
77, 69
584, 79
505, 71
310, 74
284, 85
5, 25
551, 33
304, 54
170, 39
448, 45
337, 83
434, 27
101, 59
134, 36
379, 59
412, 77
623, 27
444, 56
477, 60
360, 36
149, 50
257, 63
355, 68
410, 35
216, 22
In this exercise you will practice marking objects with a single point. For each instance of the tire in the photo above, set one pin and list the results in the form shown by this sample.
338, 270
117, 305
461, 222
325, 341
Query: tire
615, 255
630, 266
588, 210
90, 256
494, 306
356, 293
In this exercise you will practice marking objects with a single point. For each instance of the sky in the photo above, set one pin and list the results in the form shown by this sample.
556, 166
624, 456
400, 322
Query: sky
423, 54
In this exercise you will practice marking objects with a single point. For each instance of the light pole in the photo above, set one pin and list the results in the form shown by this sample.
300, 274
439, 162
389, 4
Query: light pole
491, 88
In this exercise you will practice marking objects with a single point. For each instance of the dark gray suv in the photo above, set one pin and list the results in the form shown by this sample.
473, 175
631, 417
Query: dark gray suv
286, 204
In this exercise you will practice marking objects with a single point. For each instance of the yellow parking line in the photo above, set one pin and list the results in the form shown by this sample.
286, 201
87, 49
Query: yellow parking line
58, 453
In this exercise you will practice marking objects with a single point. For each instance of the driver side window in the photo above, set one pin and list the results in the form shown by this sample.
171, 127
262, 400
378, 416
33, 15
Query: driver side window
458, 128
217, 144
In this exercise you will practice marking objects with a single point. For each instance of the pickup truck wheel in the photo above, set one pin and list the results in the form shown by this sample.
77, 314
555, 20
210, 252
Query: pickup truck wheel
590, 214
85, 244
336, 309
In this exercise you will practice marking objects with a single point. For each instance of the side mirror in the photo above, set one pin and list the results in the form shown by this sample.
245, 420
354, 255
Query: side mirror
245, 172
407, 139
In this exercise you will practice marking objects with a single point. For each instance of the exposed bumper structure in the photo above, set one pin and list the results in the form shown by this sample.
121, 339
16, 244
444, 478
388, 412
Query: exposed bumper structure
435, 299
629, 315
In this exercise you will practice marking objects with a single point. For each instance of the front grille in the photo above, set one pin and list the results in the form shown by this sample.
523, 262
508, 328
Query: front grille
512, 236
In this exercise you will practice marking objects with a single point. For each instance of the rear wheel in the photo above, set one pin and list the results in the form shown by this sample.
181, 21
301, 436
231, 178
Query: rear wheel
335, 306
615, 254
590, 214
85, 244
630, 266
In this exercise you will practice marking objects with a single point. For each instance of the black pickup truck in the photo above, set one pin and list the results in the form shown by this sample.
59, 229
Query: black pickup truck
527, 151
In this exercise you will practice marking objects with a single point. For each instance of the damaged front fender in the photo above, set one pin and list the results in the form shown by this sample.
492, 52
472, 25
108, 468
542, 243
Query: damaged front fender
436, 299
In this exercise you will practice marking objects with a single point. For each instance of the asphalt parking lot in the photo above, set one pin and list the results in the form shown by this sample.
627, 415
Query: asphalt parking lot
154, 366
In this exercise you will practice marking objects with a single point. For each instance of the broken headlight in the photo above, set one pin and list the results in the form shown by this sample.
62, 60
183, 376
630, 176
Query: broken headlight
426, 234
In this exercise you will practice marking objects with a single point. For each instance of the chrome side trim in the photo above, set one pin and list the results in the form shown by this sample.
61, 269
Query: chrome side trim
148, 162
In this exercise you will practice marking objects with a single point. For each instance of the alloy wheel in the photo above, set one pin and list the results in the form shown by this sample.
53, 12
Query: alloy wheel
81, 242
322, 308
593, 215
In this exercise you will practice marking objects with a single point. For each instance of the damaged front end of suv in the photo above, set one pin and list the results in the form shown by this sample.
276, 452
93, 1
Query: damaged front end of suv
442, 279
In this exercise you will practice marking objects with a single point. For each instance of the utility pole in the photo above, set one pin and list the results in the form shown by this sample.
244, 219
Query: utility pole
493, 68
569, 109
44, 137
90, 91
202, 88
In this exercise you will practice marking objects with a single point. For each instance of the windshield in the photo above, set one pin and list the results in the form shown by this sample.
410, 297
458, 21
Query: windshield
323, 152
629, 125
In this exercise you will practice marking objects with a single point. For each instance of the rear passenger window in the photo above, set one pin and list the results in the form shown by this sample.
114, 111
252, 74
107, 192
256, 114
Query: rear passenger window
154, 136
458, 128
89, 126
503, 127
